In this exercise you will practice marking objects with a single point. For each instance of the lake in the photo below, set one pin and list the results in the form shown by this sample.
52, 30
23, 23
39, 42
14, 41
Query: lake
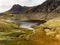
28, 23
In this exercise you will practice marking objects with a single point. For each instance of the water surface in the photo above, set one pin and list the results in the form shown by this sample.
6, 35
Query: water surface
28, 23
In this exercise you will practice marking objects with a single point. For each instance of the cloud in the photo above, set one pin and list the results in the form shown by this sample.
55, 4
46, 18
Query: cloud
7, 4
37, 2
29, 2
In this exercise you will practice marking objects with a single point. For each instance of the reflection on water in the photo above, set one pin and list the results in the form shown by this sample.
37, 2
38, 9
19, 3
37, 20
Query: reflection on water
28, 23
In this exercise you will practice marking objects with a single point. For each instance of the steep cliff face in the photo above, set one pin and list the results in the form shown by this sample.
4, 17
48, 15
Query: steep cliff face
47, 6
54, 14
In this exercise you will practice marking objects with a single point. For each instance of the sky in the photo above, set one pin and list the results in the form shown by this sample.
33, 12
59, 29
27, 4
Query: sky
7, 4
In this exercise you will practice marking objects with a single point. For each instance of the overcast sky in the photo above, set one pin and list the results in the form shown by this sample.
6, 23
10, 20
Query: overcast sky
7, 4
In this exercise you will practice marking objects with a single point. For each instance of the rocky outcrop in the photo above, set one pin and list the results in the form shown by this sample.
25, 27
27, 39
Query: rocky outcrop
47, 6
16, 9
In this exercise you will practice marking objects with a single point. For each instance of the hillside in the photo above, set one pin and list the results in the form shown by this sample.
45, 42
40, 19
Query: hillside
47, 32
46, 11
16, 9
47, 6
54, 14
16, 12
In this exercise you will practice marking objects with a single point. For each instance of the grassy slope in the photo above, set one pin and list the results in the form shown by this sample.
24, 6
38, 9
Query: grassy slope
24, 37
40, 36
9, 31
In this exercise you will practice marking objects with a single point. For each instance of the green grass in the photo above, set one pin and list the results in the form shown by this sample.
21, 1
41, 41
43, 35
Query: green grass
11, 34
9, 30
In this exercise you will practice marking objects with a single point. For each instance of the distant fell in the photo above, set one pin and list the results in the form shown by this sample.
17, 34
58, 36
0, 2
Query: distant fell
16, 9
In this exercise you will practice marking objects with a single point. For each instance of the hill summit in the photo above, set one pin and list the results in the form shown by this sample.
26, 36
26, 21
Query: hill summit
16, 9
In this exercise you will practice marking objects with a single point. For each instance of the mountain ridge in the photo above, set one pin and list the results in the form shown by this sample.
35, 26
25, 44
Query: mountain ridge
46, 11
